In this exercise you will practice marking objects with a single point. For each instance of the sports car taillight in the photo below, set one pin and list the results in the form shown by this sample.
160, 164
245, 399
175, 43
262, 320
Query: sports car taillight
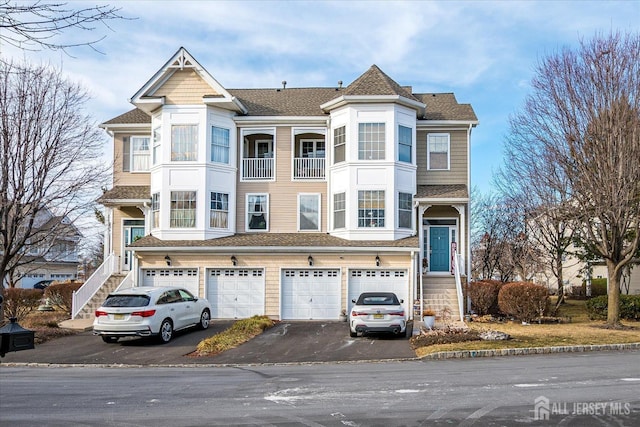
145, 313
101, 313
396, 313
359, 313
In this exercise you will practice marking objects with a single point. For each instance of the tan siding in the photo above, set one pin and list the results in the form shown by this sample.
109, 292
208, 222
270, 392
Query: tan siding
283, 192
184, 87
273, 263
458, 160
118, 216
126, 178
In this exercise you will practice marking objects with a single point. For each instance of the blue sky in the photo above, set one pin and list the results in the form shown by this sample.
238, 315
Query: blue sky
483, 51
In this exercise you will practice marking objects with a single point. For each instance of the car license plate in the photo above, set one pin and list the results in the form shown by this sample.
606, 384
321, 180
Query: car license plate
378, 316
118, 317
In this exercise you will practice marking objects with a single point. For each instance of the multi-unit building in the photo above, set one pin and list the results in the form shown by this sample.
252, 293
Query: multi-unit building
289, 202
54, 257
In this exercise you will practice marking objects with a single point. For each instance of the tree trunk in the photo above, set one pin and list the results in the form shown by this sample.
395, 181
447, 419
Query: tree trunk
613, 311
560, 278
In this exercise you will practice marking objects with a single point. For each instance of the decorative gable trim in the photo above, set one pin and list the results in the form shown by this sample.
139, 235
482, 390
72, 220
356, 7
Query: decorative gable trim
146, 100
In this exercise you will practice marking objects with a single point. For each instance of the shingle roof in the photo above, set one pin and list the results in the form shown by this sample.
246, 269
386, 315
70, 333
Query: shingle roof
375, 82
126, 192
135, 116
261, 240
444, 106
285, 102
307, 101
448, 191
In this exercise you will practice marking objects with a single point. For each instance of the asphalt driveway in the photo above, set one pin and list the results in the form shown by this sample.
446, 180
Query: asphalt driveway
287, 342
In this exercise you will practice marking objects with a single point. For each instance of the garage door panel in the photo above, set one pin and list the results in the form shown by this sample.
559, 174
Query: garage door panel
236, 293
183, 277
396, 281
310, 294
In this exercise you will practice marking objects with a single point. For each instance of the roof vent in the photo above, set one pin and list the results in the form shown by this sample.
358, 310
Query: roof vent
284, 84
339, 84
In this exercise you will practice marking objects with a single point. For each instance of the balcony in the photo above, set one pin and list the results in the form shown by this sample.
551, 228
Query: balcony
255, 169
308, 168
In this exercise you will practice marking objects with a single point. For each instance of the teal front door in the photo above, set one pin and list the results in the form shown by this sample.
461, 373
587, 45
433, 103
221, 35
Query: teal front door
439, 248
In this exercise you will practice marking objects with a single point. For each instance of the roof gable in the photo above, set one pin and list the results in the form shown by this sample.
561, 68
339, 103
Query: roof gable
375, 82
180, 72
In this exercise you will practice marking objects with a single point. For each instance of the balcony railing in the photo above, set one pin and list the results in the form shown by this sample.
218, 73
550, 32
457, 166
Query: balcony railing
308, 168
256, 168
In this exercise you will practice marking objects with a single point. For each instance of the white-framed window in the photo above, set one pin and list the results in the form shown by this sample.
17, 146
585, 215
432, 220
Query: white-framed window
371, 141
155, 210
183, 209
219, 213
312, 148
219, 145
135, 154
339, 210
257, 212
339, 144
184, 143
309, 212
371, 208
404, 210
157, 140
405, 143
438, 151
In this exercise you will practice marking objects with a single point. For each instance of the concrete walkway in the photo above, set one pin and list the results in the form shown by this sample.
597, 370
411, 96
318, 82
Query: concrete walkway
77, 324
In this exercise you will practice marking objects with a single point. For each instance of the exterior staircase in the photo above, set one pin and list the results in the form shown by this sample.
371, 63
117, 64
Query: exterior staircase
440, 295
87, 312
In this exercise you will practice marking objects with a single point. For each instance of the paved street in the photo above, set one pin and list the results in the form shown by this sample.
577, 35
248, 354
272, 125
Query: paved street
587, 389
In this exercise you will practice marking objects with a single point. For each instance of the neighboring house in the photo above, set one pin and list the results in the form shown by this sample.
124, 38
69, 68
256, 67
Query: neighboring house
289, 202
55, 260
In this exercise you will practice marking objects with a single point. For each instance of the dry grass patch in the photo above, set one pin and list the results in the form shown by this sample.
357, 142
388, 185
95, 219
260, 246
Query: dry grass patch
240, 332
580, 331
45, 325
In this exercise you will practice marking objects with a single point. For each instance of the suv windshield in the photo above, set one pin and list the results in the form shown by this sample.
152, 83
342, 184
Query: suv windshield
126, 301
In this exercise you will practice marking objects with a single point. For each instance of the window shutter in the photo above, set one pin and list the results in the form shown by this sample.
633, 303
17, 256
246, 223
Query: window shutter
126, 154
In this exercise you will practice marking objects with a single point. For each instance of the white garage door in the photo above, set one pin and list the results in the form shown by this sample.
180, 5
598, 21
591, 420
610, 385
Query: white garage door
396, 281
235, 293
310, 294
185, 277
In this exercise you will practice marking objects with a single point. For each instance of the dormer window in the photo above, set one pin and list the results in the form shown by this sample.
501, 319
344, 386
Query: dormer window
371, 141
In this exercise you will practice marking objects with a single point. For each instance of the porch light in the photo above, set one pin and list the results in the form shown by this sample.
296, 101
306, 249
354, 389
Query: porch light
310, 259
234, 260
377, 261
167, 258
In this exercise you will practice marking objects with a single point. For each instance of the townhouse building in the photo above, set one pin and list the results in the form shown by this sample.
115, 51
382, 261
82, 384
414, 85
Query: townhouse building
289, 202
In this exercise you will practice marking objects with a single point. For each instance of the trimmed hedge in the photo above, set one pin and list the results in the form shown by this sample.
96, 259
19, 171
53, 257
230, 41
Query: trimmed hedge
629, 307
484, 295
598, 287
60, 295
523, 300
19, 302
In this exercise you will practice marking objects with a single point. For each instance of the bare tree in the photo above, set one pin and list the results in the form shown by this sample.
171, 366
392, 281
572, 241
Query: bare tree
50, 160
583, 117
38, 24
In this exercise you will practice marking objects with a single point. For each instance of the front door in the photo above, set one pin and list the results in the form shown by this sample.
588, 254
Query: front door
132, 230
439, 248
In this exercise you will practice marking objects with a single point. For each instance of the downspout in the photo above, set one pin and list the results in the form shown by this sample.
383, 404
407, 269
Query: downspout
468, 225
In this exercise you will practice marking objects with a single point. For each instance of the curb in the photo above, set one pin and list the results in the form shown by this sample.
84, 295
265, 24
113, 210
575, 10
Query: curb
466, 354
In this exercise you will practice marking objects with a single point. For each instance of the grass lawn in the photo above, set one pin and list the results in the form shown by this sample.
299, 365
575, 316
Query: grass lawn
579, 331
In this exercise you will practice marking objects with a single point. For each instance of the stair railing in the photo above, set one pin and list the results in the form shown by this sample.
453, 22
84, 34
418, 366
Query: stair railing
456, 268
82, 296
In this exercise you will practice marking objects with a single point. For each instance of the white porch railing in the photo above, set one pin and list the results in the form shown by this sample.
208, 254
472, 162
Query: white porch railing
127, 282
93, 283
308, 168
457, 261
256, 168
